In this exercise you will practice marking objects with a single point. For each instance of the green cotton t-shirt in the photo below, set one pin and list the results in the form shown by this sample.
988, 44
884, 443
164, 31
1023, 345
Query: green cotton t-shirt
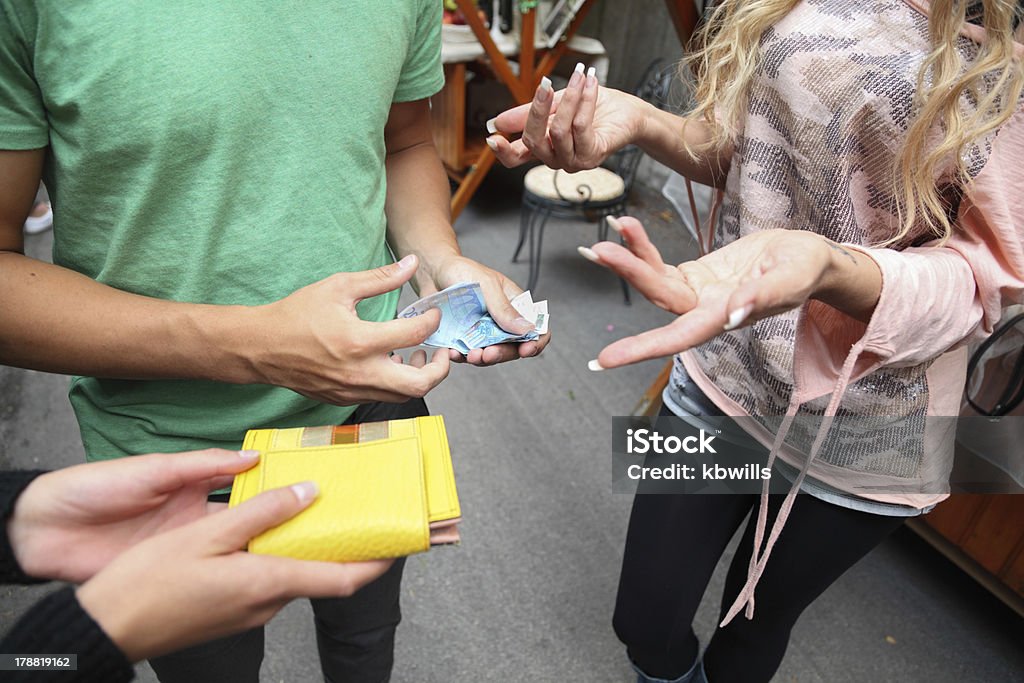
222, 152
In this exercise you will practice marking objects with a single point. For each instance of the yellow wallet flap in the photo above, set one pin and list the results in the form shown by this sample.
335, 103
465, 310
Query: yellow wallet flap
372, 501
442, 497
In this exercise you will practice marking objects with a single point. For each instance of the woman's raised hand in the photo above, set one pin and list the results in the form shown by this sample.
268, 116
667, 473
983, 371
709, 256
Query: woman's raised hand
573, 129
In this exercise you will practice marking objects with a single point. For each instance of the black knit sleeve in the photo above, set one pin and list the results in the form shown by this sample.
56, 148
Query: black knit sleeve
57, 625
11, 486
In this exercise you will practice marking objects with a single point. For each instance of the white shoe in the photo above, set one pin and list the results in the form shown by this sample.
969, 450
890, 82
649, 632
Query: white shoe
37, 224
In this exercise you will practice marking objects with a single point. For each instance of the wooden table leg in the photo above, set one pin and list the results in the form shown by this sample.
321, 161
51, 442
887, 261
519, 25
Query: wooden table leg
474, 176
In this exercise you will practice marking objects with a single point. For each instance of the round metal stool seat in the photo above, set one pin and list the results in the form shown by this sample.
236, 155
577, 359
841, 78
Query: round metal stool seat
584, 187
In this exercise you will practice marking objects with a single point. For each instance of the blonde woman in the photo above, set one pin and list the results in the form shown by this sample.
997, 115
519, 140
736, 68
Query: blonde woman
868, 154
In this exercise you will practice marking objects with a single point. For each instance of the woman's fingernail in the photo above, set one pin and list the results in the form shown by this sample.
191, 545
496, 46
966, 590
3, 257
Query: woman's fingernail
589, 254
577, 75
545, 85
406, 262
492, 144
305, 491
592, 72
737, 317
595, 366
492, 126
614, 224
249, 455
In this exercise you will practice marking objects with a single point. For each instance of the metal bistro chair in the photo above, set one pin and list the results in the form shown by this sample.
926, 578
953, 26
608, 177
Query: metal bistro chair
592, 195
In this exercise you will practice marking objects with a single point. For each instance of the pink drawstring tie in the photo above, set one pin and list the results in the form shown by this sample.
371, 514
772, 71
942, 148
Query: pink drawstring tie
757, 559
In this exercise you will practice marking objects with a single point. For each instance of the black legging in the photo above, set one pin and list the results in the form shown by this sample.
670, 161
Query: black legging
672, 547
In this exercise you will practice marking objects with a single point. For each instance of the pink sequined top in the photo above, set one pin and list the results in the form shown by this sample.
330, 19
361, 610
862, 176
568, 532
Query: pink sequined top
828, 110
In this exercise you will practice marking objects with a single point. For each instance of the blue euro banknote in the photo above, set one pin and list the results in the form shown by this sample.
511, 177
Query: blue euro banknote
465, 322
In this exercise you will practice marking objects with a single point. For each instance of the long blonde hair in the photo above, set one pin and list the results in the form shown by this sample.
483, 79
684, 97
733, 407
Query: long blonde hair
728, 56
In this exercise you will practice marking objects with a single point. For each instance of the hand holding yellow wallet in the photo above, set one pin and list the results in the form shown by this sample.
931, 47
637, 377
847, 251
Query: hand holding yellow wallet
387, 489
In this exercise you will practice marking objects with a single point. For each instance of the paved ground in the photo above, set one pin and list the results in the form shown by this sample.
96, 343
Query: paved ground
528, 596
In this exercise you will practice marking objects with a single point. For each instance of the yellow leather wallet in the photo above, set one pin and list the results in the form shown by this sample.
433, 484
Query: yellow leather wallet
387, 489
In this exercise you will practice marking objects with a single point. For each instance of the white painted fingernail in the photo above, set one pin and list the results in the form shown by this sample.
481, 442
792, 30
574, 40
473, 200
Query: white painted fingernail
493, 144
592, 72
579, 68
614, 224
248, 455
595, 366
306, 491
589, 254
492, 125
545, 84
737, 317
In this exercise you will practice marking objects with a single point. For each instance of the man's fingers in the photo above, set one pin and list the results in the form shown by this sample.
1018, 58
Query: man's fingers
499, 305
231, 529
636, 240
367, 283
683, 333
669, 293
560, 126
309, 579
412, 382
494, 354
534, 348
401, 333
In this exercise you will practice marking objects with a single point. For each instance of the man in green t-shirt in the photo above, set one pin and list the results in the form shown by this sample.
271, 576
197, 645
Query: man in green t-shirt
231, 184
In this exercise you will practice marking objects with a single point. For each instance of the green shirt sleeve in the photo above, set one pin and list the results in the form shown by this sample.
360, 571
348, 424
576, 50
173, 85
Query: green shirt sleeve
22, 116
422, 73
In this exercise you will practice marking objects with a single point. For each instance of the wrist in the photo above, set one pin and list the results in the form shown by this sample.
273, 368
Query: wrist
645, 132
851, 281
226, 342
433, 264
116, 616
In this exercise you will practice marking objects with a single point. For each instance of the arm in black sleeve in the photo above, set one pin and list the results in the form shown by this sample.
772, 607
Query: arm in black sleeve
11, 486
57, 625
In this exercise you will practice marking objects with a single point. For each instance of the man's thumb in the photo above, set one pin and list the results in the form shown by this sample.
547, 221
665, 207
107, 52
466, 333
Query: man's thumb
367, 283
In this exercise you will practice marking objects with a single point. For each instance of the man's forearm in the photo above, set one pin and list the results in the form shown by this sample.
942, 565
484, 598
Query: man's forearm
418, 209
56, 320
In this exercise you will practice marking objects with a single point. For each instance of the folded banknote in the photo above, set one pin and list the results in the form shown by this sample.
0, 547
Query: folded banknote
465, 322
